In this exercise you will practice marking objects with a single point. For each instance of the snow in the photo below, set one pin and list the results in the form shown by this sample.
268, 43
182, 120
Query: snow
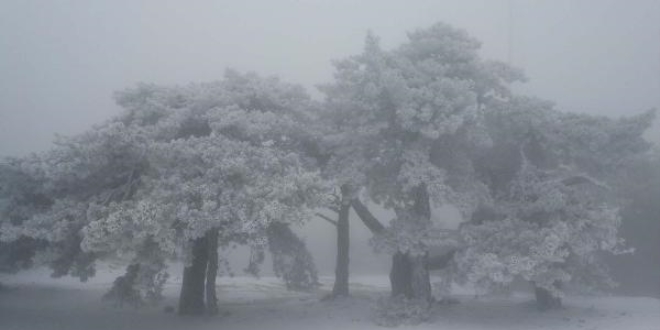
32, 300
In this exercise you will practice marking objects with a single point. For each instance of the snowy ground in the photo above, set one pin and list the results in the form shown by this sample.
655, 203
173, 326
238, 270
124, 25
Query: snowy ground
33, 301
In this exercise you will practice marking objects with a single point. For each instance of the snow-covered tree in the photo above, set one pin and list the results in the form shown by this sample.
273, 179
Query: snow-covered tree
388, 111
21, 196
182, 170
51, 194
551, 177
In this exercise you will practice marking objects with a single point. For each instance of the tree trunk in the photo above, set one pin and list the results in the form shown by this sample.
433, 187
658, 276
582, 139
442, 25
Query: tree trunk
410, 276
211, 271
191, 299
401, 275
545, 300
343, 243
420, 281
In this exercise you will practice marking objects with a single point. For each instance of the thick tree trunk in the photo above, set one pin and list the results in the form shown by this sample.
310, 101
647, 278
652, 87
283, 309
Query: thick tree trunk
409, 276
545, 300
343, 243
401, 275
191, 299
420, 281
212, 271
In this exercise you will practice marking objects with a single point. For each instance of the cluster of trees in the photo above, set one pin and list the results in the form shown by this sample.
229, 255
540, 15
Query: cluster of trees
187, 170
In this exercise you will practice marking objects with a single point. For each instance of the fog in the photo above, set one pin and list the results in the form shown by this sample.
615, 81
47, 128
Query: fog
61, 61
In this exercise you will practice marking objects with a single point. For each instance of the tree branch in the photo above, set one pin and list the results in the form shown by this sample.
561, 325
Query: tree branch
326, 218
333, 209
365, 215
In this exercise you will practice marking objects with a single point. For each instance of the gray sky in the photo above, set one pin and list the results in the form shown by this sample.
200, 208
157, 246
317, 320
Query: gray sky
60, 60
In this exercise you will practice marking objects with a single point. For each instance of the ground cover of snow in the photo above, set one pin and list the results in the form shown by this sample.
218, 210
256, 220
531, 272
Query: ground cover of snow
33, 301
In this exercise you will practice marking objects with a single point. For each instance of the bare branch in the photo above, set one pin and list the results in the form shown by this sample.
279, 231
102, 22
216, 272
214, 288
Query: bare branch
365, 215
326, 218
333, 209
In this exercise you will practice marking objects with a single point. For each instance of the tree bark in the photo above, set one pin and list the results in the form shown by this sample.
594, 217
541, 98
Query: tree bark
420, 279
410, 276
422, 203
401, 275
191, 299
343, 243
212, 271
367, 218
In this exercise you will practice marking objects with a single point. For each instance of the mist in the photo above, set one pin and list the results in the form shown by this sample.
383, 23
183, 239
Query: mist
62, 60
68, 65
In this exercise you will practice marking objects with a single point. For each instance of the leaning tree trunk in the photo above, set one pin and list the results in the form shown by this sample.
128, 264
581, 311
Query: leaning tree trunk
211, 271
191, 299
545, 300
343, 243
367, 218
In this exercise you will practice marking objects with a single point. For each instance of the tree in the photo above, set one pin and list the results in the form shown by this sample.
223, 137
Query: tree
551, 178
20, 198
388, 110
48, 200
183, 170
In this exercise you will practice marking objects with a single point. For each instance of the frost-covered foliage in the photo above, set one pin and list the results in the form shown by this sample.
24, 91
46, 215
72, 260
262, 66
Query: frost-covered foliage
389, 110
143, 282
65, 186
20, 198
291, 259
412, 238
180, 161
551, 178
123, 289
